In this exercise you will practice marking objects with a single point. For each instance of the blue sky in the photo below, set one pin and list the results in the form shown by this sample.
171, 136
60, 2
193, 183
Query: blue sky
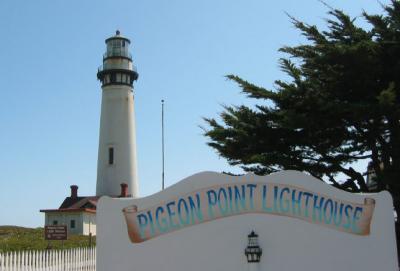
50, 105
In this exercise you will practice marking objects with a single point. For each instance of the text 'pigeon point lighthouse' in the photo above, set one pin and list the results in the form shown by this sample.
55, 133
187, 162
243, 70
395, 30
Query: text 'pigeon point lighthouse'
117, 143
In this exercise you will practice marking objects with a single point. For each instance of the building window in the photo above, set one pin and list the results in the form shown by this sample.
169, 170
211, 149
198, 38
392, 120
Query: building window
111, 156
55, 222
72, 224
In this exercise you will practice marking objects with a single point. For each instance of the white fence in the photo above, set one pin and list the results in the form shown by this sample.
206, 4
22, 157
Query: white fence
78, 259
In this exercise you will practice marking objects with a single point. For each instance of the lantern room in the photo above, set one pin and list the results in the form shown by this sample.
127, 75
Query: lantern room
117, 68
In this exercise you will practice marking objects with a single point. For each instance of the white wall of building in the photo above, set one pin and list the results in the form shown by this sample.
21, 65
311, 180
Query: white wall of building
287, 243
84, 222
89, 223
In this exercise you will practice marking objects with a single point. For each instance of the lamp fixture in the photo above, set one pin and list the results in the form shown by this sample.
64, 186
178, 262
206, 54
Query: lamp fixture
253, 251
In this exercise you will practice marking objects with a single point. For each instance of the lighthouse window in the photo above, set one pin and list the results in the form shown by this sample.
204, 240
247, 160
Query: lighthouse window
113, 78
118, 77
123, 43
111, 156
72, 224
116, 44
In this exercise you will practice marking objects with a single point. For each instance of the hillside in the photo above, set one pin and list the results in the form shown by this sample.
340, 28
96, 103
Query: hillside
13, 238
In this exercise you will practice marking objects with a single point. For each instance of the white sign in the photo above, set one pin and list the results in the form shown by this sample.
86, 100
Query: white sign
202, 223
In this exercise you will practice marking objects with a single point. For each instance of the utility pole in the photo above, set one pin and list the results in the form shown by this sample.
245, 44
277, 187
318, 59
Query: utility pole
162, 143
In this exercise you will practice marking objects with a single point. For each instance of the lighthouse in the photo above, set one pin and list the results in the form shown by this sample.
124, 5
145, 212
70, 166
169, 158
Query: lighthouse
116, 162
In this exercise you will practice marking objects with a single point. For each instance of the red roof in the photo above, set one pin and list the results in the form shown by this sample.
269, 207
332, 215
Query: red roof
68, 210
76, 204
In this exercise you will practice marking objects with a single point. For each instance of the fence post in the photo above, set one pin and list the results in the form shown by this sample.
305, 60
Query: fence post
5, 260
63, 260
76, 260
43, 260
22, 262
53, 260
35, 261
1, 261
68, 259
39, 262
60, 260
58, 256
19, 260
86, 259
12, 265
29, 263
81, 259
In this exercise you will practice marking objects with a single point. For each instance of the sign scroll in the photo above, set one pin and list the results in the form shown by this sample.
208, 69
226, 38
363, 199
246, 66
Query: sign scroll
232, 199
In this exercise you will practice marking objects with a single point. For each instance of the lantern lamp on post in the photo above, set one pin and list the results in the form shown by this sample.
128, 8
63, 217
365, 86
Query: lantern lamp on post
253, 251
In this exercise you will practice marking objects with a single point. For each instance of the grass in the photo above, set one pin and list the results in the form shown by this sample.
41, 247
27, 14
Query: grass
13, 238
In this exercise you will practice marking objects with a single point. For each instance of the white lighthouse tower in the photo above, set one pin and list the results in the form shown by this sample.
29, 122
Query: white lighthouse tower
117, 143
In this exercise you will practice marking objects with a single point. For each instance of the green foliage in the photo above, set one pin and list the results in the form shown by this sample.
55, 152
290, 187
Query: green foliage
14, 238
341, 105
